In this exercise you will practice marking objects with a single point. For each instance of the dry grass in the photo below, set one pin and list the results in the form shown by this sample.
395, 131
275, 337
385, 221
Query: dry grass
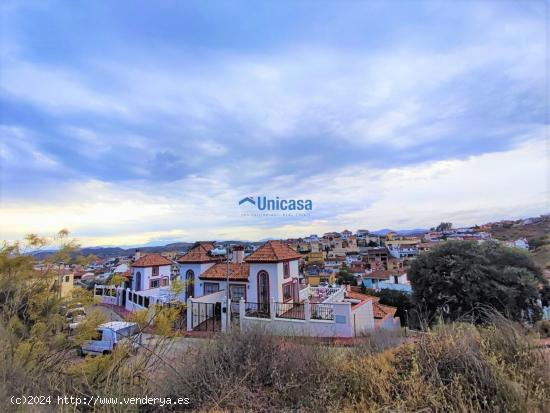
452, 368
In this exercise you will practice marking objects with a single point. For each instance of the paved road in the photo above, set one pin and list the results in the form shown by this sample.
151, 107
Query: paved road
110, 315
173, 345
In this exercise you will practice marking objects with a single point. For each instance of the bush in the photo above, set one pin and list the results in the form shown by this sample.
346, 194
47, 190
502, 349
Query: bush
458, 367
543, 328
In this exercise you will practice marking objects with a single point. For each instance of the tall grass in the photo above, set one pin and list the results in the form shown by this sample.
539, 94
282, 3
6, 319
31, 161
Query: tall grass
451, 368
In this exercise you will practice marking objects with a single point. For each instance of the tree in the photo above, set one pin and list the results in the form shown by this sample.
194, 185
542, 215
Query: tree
399, 300
345, 276
458, 278
444, 226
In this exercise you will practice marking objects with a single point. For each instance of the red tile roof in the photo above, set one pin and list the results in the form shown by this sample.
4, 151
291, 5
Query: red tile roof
273, 251
360, 296
237, 272
382, 311
151, 260
384, 275
200, 253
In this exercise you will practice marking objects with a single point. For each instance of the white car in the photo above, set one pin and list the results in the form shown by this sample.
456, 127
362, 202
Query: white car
110, 335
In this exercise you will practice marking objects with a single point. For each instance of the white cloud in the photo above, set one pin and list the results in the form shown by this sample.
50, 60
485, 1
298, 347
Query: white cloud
474, 190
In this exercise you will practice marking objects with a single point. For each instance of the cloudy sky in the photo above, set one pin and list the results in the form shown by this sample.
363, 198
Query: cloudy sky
135, 122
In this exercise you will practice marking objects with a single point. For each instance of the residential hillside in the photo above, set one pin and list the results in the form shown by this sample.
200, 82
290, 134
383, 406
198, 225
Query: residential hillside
535, 230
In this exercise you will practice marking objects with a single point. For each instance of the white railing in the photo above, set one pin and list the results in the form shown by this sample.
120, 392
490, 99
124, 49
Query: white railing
305, 293
336, 295
328, 294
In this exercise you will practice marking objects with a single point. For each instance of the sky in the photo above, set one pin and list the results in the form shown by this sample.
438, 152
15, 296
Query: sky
144, 123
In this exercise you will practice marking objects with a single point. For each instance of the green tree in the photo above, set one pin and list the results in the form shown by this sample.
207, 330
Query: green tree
345, 276
399, 300
458, 278
444, 226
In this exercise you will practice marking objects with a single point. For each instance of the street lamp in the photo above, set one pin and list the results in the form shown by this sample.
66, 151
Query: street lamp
229, 257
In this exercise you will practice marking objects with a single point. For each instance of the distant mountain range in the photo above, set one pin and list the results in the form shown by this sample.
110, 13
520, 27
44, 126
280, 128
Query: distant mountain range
108, 252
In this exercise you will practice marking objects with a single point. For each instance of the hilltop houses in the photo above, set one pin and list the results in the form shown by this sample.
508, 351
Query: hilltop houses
227, 288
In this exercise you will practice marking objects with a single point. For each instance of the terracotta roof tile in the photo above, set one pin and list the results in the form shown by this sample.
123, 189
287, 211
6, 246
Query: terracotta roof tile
273, 251
360, 296
384, 275
151, 260
237, 272
382, 311
200, 253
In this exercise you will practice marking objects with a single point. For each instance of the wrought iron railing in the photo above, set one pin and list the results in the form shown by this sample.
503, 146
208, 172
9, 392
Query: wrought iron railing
294, 311
259, 310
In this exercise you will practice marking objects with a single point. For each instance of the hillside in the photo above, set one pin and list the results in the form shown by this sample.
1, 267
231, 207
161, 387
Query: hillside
537, 234
109, 252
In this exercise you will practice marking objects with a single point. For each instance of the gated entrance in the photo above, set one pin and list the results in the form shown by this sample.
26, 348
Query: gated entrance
206, 316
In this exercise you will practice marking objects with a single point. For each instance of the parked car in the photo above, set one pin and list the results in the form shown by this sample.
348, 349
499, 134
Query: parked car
110, 335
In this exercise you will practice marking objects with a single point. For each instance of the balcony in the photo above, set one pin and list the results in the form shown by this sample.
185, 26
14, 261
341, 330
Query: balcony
322, 294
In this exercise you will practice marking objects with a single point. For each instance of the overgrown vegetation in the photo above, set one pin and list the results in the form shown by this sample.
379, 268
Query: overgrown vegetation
451, 368
38, 352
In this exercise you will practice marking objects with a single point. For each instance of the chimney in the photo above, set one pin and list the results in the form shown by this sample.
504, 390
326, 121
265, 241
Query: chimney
238, 254
137, 254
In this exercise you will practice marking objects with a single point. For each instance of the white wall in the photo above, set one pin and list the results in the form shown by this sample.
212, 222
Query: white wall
198, 269
276, 279
363, 319
341, 326
390, 323
146, 276
271, 269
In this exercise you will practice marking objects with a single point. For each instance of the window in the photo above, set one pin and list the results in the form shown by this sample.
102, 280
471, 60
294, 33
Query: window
210, 288
286, 269
263, 287
140, 300
67, 278
155, 271
164, 282
236, 292
287, 292
189, 283
137, 282
154, 283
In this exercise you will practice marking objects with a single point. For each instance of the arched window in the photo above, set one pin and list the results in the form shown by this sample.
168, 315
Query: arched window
137, 283
190, 284
263, 288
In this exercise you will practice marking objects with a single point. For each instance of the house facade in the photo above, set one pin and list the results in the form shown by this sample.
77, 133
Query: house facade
150, 271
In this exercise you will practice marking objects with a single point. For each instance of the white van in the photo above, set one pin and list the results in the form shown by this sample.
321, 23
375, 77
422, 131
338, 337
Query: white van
112, 334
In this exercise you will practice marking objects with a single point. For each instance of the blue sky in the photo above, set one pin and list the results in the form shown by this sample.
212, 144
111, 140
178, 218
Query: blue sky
136, 122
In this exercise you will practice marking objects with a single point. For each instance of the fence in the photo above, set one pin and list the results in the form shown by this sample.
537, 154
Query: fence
259, 310
322, 312
294, 311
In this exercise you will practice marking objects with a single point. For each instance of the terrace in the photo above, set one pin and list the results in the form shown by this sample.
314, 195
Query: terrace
317, 295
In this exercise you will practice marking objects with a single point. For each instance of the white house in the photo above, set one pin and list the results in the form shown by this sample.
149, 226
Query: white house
196, 261
273, 273
150, 271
